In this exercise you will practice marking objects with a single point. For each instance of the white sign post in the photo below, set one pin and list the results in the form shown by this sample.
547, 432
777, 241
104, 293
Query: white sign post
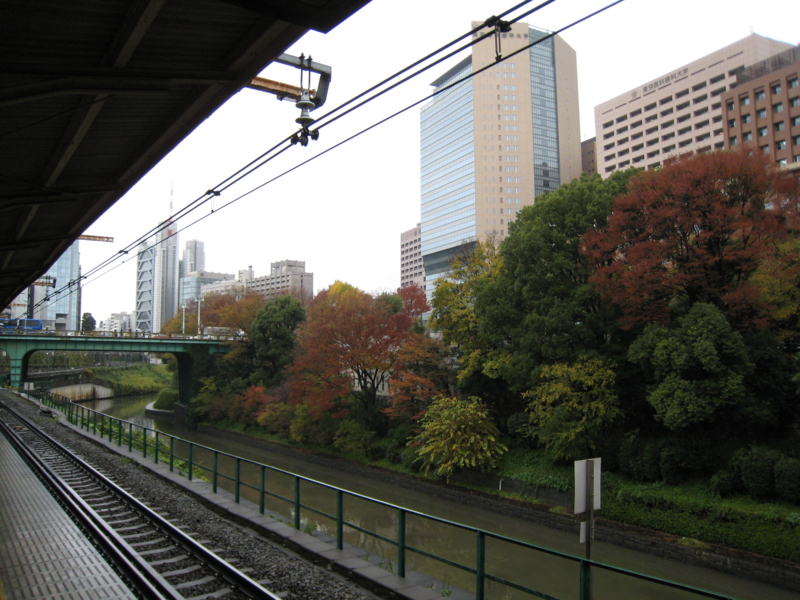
587, 500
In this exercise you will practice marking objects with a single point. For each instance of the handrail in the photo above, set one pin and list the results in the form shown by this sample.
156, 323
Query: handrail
88, 419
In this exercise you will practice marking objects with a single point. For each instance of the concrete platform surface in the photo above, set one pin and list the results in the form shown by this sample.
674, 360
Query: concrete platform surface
43, 554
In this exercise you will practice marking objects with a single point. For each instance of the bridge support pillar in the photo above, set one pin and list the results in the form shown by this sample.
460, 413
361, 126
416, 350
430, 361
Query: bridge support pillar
18, 366
184, 376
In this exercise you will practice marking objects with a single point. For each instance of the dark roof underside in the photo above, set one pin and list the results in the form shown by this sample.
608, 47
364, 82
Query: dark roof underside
93, 93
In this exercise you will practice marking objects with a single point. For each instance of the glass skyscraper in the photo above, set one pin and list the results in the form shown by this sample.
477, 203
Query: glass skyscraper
493, 143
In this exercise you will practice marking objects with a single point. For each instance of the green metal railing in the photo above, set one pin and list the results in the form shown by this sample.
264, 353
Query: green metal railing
163, 447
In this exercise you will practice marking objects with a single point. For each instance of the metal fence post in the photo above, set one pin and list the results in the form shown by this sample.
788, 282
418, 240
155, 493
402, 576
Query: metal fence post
296, 502
261, 490
171, 453
586, 581
339, 519
401, 542
214, 475
119, 433
238, 478
155, 450
480, 566
191, 466
144, 439
130, 437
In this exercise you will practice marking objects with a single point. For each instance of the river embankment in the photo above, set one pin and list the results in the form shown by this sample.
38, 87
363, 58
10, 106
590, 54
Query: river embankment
548, 510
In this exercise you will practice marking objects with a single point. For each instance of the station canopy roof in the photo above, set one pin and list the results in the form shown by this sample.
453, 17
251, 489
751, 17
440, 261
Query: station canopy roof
93, 93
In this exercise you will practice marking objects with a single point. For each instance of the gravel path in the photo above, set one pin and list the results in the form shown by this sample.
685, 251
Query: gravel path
257, 556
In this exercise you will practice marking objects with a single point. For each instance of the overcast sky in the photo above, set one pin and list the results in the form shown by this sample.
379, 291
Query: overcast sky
343, 213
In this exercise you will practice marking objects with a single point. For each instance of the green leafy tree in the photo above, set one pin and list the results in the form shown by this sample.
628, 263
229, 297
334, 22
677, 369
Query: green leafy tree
539, 308
698, 369
88, 322
571, 407
458, 434
272, 335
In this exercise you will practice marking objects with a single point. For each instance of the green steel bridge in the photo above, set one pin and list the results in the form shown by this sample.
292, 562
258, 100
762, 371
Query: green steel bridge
20, 347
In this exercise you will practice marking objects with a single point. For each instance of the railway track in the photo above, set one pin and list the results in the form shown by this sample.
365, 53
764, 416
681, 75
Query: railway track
154, 556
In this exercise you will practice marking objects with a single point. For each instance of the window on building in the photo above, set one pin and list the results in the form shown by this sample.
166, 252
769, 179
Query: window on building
747, 136
796, 140
777, 108
765, 149
794, 101
780, 144
795, 121
761, 113
762, 131
777, 88
760, 95
732, 123
793, 83
730, 105
780, 126
747, 118
744, 100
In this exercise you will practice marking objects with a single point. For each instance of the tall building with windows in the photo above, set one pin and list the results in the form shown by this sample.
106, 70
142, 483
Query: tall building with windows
412, 271
492, 143
285, 277
194, 258
57, 312
676, 113
763, 109
157, 280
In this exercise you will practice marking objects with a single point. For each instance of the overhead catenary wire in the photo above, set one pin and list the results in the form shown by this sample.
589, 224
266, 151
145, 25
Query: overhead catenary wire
263, 159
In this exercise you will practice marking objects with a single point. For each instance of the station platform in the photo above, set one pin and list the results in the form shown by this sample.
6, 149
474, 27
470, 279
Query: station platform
43, 554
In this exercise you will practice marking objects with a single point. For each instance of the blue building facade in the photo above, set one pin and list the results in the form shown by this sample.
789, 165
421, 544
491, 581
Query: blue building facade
493, 143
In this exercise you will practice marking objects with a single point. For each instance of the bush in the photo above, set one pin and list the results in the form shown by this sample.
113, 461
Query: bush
352, 437
631, 452
673, 464
409, 458
167, 399
758, 471
651, 461
722, 483
517, 424
787, 479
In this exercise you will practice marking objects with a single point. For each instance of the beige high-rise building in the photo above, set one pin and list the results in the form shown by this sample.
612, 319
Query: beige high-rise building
492, 143
412, 271
285, 277
676, 113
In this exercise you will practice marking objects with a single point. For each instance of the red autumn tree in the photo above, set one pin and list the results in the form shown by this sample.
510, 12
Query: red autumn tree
694, 231
421, 374
347, 349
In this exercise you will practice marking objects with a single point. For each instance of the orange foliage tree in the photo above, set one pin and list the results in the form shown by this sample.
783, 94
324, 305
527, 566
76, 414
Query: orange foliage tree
421, 374
347, 349
694, 231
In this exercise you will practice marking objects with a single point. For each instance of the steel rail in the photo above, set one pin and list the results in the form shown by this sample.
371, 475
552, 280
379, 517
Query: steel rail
239, 581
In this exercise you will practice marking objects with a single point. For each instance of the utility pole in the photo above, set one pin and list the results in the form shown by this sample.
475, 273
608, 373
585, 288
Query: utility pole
199, 304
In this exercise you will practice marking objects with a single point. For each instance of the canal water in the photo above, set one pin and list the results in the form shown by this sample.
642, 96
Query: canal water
537, 570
